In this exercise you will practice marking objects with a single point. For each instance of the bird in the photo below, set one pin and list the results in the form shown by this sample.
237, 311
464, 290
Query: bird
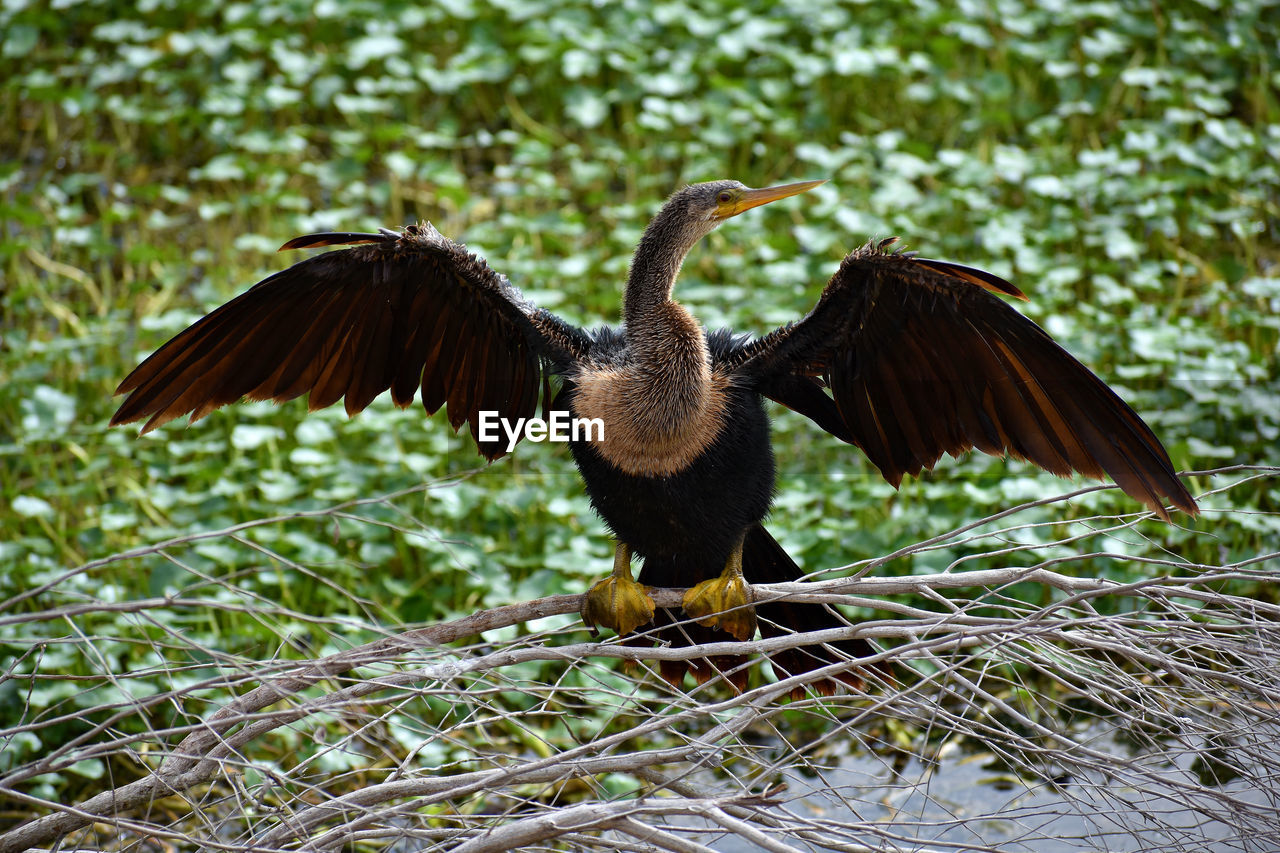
904, 357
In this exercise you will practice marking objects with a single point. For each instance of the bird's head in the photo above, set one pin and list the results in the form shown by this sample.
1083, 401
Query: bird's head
689, 215
715, 201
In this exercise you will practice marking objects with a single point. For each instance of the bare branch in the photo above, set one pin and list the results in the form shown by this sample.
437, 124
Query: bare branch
1111, 709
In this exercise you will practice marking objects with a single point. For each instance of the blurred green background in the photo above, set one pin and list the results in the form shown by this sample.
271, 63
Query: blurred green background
1116, 160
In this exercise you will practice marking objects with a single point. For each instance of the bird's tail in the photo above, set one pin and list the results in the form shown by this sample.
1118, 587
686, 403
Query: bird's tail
763, 561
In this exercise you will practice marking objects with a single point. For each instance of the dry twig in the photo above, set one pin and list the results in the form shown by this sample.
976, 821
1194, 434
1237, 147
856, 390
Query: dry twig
1131, 715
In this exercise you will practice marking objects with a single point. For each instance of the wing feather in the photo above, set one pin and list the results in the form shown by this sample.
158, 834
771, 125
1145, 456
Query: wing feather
303, 343
437, 370
921, 358
458, 397
401, 311
337, 360
421, 322
371, 372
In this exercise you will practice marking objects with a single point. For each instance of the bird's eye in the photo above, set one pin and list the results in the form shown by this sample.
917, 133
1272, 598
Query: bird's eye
725, 197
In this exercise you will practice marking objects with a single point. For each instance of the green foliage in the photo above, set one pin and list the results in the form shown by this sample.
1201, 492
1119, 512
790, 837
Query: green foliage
1118, 161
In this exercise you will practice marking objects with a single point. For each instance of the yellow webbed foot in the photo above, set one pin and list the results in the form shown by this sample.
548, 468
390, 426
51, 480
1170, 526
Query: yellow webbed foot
618, 602
708, 601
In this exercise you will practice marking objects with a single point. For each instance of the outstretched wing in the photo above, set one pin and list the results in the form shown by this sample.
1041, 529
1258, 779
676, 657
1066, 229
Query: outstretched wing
410, 309
922, 359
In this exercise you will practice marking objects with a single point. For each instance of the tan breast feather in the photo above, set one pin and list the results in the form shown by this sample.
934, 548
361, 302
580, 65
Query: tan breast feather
654, 425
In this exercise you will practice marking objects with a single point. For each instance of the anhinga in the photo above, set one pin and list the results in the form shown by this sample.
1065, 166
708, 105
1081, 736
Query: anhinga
920, 359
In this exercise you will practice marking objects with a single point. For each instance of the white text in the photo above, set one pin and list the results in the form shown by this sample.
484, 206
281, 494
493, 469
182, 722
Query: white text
559, 428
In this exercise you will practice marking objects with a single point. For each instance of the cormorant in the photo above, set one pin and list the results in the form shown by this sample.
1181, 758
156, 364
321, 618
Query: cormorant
904, 357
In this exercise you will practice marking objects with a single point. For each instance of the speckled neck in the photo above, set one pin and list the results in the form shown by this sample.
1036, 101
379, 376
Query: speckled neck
668, 344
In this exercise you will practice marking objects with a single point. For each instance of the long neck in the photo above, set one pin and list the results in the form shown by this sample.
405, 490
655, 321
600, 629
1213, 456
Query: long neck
662, 334
646, 306
654, 268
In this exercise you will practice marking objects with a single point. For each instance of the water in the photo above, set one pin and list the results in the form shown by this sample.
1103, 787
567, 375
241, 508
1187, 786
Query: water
967, 800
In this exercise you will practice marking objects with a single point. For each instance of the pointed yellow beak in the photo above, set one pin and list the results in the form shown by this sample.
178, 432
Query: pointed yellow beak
747, 199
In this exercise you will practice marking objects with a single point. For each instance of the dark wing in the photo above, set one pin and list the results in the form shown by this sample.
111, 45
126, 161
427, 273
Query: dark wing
922, 359
413, 309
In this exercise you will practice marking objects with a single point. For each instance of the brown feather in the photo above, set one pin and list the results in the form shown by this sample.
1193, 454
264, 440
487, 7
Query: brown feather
495, 394
199, 366
460, 373
352, 323
922, 360
332, 238
420, 320
972, 275
169, 372
384, 343
337, 358
298, 372
440, 360
484, 354
371, 354
902, 395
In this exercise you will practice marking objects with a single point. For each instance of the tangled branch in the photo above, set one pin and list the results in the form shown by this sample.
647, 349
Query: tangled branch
1121, 714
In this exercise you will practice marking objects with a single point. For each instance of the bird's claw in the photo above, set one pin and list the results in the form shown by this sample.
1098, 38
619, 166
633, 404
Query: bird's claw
724, 602
618, 603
